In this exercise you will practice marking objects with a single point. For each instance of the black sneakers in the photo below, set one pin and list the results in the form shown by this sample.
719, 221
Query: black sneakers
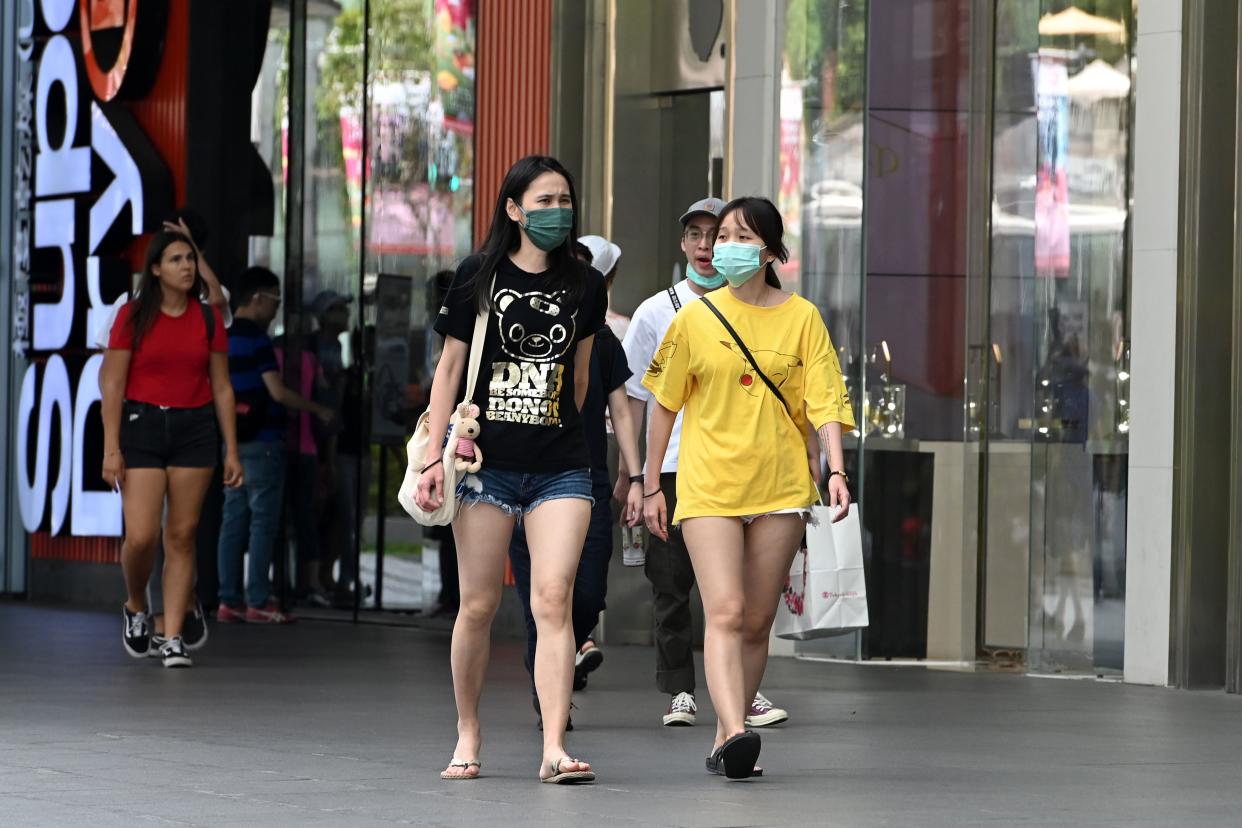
569, 723
136, 632
174, 653
194, 629
586, 661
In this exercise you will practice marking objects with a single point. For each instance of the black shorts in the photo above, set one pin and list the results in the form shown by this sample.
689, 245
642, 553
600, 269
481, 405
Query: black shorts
153, 437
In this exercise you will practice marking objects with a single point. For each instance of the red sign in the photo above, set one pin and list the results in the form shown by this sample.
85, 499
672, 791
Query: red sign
97, 16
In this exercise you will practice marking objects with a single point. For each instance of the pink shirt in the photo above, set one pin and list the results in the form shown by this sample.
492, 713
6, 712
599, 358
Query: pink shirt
304, 434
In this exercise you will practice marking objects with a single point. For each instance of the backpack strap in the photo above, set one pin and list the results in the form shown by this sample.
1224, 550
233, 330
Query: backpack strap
209, 319
749, 357
672, 297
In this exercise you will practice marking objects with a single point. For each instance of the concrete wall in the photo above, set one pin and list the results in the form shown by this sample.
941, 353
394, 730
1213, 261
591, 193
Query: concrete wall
1153, 335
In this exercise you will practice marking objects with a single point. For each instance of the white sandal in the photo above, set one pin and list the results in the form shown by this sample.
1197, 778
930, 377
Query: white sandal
560, 777
465, 766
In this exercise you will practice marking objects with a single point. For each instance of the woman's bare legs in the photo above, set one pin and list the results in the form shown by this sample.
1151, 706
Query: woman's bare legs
142, 501
771, 543
555, 532
186, 490
482, 533
717, 550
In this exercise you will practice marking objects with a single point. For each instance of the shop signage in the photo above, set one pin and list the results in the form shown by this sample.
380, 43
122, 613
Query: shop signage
89, 182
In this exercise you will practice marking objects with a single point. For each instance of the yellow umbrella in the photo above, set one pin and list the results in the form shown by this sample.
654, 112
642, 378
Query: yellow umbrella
1075, 21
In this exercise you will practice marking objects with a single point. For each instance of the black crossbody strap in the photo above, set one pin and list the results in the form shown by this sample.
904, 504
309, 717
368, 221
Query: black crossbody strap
749, 357
672, 297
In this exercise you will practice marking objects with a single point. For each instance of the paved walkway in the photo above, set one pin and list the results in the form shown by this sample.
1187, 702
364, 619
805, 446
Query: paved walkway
332, 724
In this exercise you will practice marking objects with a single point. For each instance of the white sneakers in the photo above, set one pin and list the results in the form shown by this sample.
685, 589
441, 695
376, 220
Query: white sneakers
682, 711
762, 713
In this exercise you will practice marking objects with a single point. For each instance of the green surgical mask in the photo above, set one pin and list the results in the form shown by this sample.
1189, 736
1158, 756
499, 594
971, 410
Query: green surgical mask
548, 227
706, 282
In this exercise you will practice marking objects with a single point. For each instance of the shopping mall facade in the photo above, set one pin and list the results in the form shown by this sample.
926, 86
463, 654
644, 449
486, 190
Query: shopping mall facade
1022, 244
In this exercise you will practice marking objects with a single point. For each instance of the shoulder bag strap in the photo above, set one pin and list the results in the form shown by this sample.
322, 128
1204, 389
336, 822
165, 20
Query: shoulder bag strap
749, 357
476, 346
672, 297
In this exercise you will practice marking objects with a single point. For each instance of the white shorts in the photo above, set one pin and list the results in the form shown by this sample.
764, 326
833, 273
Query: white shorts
747, 520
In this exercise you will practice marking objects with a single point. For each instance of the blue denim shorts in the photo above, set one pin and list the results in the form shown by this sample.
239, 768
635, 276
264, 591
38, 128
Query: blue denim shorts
519, 493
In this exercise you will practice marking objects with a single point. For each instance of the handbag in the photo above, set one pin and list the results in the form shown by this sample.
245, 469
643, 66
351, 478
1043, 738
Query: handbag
416, 448
826, 591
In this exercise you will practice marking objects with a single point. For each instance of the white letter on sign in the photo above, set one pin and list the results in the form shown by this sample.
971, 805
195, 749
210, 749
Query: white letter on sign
64, 169
55, 397
54, 227
56, 13
126, 187
94, 513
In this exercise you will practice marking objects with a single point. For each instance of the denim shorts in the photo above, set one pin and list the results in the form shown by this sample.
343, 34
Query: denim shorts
519, 493
153, 437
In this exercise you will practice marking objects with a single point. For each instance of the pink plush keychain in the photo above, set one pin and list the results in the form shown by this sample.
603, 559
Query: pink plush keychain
467, 456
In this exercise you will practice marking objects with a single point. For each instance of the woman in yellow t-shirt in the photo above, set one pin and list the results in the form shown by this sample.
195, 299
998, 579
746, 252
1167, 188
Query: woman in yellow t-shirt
744, 489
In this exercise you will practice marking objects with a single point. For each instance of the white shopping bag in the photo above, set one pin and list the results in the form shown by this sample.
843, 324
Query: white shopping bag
826, 591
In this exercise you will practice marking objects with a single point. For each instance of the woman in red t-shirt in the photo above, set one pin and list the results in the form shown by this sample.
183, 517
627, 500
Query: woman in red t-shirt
165, 387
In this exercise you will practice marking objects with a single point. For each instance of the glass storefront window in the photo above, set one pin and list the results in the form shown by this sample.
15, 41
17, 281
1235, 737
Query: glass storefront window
822, 172
875, 160
388, 198
1059, 285
269, 125
420, 201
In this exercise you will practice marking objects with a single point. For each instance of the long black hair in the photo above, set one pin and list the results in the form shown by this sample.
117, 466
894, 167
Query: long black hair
504, 237
764, 220
144, 308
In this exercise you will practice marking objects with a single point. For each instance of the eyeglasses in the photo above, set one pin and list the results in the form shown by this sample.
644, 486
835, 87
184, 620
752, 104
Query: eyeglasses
275, 298
694, 235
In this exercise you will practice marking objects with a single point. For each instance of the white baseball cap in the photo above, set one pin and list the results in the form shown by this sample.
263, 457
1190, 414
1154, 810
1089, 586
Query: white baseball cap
604, 254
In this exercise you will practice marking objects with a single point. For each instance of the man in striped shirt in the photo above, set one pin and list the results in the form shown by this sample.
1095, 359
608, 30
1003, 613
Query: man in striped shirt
252, 513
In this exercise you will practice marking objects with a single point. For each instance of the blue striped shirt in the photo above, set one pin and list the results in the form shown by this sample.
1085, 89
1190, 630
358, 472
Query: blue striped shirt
250, 357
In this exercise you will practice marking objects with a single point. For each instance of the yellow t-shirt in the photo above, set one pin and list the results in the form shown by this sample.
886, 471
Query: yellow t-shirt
740, 454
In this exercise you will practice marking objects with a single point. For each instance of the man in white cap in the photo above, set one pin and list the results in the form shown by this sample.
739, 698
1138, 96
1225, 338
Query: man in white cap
604, 258
668, 564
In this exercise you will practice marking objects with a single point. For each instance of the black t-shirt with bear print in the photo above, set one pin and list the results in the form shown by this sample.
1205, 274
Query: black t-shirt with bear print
525, 391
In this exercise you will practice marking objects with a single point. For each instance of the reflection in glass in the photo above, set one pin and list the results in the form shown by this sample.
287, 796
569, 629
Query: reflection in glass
269, 129
821, 192
918, 129
419, 203
388, 190
1059, 288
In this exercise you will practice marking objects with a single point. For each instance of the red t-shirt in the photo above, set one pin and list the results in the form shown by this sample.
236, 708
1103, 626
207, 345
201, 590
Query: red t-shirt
170, 366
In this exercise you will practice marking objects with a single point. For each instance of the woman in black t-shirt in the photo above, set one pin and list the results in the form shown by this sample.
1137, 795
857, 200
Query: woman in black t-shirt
544, 308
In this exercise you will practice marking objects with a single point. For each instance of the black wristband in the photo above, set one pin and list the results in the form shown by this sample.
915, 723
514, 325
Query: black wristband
432, 463
652, 494
636, 478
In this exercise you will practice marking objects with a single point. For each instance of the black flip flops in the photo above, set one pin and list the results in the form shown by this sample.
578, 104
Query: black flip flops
736, 757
